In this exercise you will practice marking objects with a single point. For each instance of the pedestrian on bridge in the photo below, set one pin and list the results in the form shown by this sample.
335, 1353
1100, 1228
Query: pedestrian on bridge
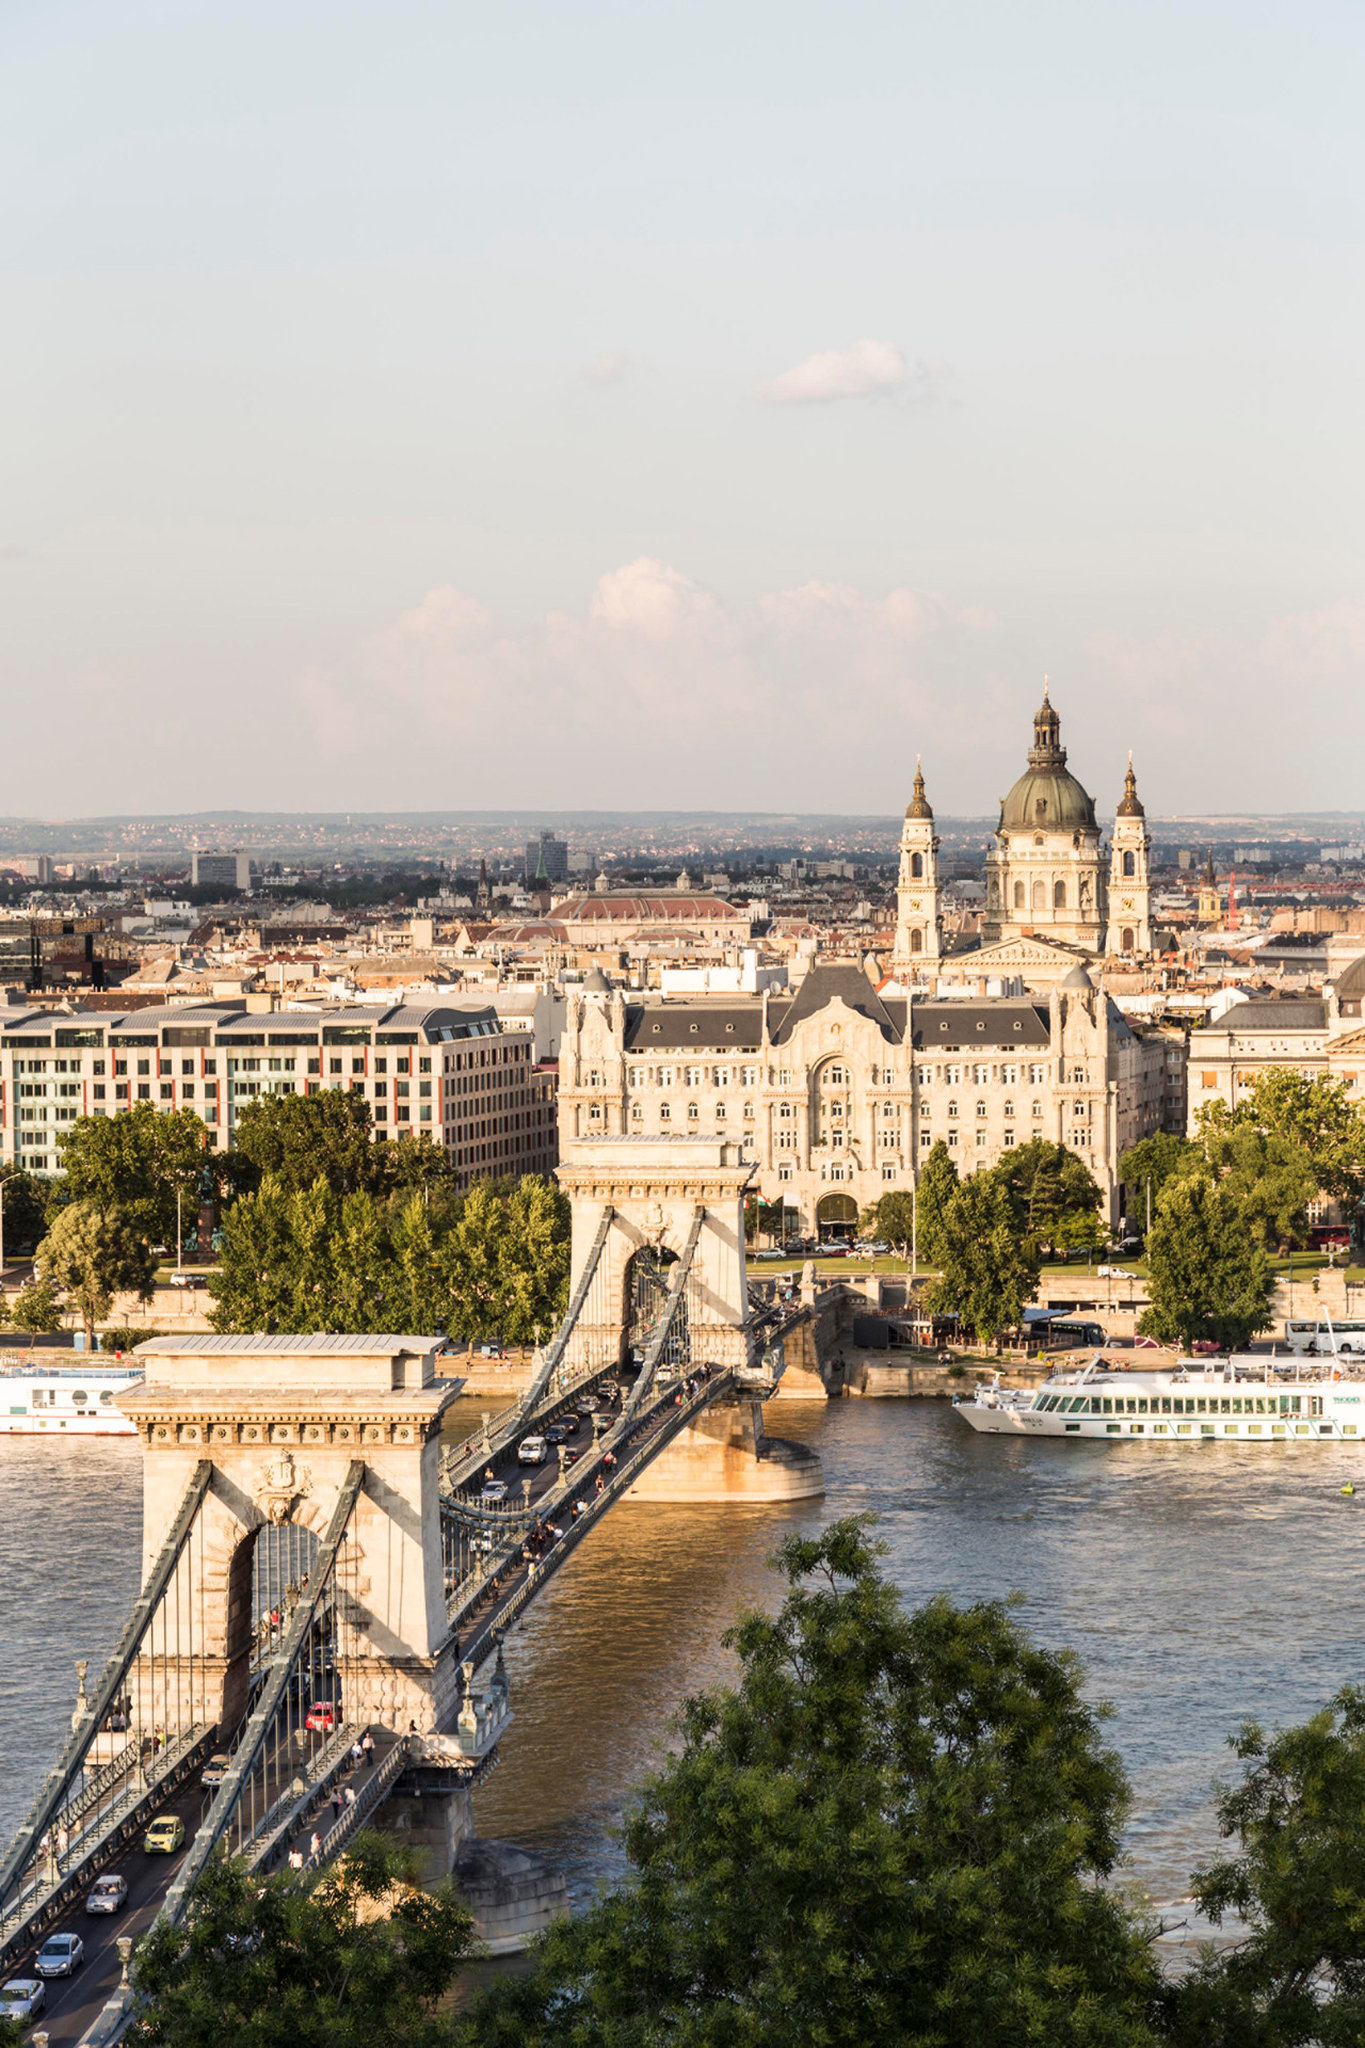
336, 1802
367, 1744
350, 1795
315, 1845
296, 1859
357, 1755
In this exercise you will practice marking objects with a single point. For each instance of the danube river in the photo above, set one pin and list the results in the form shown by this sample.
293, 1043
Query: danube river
1199, 1586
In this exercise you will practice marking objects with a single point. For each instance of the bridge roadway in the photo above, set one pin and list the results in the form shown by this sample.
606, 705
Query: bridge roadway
482, 1610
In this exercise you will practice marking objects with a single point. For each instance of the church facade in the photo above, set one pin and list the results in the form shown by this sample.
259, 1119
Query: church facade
1055, 893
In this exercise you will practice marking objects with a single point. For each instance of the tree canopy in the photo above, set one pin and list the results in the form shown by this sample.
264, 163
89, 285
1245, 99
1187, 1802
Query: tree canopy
1054, 1197
934, 1190
90, 1254
495, 1261
1208, 1278
1146, 1167
356, 1958
1310, 1111
987, 1269
296, 1140
25, 1204
136, 1161
895, 1829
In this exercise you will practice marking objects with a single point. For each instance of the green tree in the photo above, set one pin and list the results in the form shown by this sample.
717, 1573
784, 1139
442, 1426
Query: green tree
533, 1259
934, 1190
1295, 1975
1051, 1189
360, 1957
1208, 1278
1310, 1111
1147, 1166
895, 1216
296, 1140
987, 1271
257, 1283
471, 1265
414, 1164
1272, 1180
135, 1161
894, 1830
25, 1204
36, 1309
90, 1254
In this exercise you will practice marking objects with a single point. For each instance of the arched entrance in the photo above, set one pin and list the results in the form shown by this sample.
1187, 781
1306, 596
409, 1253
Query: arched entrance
647, 1279
836, 1216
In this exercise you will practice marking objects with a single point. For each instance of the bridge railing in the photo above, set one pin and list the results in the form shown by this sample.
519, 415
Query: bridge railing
147, 1702
464, 1459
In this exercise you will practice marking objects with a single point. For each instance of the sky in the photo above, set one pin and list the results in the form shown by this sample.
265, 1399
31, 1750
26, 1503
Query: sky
705, 405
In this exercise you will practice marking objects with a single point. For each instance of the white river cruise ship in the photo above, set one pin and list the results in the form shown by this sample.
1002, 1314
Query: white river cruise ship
62, 1400
1250, 1400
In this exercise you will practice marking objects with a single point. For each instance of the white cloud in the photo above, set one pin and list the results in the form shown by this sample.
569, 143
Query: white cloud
857, 372
608, 369
658, 691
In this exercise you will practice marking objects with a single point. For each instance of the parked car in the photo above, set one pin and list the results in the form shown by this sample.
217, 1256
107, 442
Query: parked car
60, 1955
165, 1835
321, 1717
532, 1450
22, 1998
874, 1247
1113, 1273
110, 1894
217, 1768
771, 1251
493, 1490
490, 1351
182, 1279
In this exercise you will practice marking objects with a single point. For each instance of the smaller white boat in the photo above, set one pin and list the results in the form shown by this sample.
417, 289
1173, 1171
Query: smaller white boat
63, 1400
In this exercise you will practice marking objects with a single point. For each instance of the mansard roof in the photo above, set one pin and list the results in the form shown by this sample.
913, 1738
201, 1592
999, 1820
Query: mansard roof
843, 979
1273, 1015
960, 1026
730, 1025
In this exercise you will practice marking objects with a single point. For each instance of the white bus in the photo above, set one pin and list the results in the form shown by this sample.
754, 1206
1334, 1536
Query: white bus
1325, 1337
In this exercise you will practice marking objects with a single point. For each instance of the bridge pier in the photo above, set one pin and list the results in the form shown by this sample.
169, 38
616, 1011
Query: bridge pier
727, 1454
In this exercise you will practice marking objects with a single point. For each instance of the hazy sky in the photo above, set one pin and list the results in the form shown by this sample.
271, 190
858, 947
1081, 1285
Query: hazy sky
706, 404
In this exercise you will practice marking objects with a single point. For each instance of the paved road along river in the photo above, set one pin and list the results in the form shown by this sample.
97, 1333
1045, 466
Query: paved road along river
1198, 1585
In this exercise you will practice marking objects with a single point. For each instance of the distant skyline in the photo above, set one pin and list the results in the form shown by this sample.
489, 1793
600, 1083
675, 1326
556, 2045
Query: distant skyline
686, 406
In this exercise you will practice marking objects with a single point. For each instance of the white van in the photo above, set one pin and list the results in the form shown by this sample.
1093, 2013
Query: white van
532, 1450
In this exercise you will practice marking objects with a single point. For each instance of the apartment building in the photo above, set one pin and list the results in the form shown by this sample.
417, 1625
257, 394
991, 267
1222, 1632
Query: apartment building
840, 1093
458, 1076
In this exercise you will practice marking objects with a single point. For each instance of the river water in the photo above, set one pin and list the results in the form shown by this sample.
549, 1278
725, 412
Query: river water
1199, 1586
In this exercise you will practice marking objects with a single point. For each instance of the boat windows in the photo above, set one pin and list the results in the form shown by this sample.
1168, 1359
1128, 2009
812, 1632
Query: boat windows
1348, 1429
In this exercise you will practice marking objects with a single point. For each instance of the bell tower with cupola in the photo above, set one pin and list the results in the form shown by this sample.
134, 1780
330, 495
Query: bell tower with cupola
917, 889
1130, 891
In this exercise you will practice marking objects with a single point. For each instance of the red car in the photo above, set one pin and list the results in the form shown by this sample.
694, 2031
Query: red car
322, 1717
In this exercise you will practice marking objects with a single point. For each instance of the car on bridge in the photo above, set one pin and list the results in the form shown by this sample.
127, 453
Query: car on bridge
322, 1717
22, 1998
165, 1835
110, 1894
532, 1450
556, 1433
493, 1491
60, 1955
216, 1769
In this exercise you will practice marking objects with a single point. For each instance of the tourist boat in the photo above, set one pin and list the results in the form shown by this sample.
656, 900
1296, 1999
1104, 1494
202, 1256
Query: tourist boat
62, 1400
1248, 1399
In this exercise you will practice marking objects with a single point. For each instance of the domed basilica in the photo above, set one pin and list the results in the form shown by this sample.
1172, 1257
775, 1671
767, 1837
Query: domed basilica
1056, 895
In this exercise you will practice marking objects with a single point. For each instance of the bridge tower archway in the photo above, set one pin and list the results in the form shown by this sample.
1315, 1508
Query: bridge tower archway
648, 1194
283, 1422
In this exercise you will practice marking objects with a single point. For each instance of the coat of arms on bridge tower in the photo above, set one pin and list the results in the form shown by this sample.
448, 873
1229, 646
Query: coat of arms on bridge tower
281, 1482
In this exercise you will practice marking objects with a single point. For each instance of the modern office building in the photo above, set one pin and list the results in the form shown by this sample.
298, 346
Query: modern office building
458, 1076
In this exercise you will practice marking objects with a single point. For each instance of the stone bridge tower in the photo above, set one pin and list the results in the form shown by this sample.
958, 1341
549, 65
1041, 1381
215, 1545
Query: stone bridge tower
281, 1420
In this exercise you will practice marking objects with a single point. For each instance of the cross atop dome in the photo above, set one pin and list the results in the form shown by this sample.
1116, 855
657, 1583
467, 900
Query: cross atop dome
1047, 750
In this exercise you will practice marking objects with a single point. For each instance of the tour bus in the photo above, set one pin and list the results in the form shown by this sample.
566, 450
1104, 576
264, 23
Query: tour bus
1325, 1336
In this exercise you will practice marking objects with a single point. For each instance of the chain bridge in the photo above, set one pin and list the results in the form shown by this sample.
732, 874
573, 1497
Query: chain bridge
328, 1581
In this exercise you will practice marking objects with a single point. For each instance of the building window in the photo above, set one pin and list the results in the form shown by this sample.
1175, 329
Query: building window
665, 1113
1129, 864
748, 1112
981, 1109
952, 1141
720, 1112
926, 1139
981, 1141
916, 942
1037, 1109
1009, 1109
693, 1113
1018, 895
784, 1173
952, 1109
1059, 895
888, 1172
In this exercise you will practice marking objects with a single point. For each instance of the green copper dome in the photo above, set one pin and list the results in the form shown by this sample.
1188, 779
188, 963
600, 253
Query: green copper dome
1046, 798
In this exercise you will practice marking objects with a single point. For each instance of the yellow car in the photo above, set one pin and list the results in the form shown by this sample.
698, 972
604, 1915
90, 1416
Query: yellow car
164, 1836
